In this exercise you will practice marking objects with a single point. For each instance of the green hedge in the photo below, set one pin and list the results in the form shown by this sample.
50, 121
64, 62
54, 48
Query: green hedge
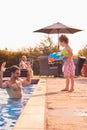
13, 58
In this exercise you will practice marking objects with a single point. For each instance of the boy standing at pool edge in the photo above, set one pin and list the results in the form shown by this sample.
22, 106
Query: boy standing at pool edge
68, 67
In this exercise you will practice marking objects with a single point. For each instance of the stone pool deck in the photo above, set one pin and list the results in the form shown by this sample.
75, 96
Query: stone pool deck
50, 109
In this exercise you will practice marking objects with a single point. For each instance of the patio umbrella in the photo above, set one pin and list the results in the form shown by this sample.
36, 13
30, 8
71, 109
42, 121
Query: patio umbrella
57, 28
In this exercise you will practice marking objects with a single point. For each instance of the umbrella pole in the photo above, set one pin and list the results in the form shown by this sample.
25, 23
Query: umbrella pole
58, 43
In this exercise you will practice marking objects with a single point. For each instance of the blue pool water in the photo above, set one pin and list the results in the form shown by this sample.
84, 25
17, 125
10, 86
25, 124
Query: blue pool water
11, 110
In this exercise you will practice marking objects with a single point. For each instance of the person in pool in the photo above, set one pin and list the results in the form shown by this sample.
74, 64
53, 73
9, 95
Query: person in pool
15, 83
25, 64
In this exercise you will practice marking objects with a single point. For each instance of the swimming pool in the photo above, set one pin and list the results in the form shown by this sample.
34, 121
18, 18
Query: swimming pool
10, 110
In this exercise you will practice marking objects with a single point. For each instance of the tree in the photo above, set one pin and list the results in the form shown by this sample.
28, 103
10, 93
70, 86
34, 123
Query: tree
83, 52
46, 46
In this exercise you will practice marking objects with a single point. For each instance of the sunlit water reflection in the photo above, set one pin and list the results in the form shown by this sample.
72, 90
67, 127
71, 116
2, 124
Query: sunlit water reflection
11, 110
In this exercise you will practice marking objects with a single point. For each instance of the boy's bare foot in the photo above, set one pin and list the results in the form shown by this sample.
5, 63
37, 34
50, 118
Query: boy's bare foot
71, 90
64, 89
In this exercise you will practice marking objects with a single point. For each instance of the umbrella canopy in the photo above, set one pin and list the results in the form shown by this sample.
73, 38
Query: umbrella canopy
57, 28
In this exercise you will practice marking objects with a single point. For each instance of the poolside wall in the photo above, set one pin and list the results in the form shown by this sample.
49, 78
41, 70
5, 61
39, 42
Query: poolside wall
33, 115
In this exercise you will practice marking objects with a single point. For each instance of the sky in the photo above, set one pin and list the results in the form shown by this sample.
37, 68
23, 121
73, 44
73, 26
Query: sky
19, 18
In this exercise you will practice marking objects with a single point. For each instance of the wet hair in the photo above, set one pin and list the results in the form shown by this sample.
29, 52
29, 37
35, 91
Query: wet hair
14, 68
64, 38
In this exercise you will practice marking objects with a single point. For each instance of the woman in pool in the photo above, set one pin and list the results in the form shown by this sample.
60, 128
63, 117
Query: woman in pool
15, 83
25, 64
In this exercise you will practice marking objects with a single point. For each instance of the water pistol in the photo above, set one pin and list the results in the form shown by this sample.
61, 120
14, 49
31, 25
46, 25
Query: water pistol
57, 55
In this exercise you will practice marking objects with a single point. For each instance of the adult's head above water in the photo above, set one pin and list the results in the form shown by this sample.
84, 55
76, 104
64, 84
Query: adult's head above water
23, 62
13, 68
24, 58
15, 71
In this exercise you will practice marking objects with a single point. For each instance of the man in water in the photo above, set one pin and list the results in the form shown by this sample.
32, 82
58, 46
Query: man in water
15, 83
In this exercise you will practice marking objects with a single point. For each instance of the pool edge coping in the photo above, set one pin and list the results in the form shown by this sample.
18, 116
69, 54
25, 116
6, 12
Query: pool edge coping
33, 114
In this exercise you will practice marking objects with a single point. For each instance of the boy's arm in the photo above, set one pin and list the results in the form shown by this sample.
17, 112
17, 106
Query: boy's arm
69, 54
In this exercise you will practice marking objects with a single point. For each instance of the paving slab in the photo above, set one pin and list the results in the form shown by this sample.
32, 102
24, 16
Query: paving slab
66, 110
